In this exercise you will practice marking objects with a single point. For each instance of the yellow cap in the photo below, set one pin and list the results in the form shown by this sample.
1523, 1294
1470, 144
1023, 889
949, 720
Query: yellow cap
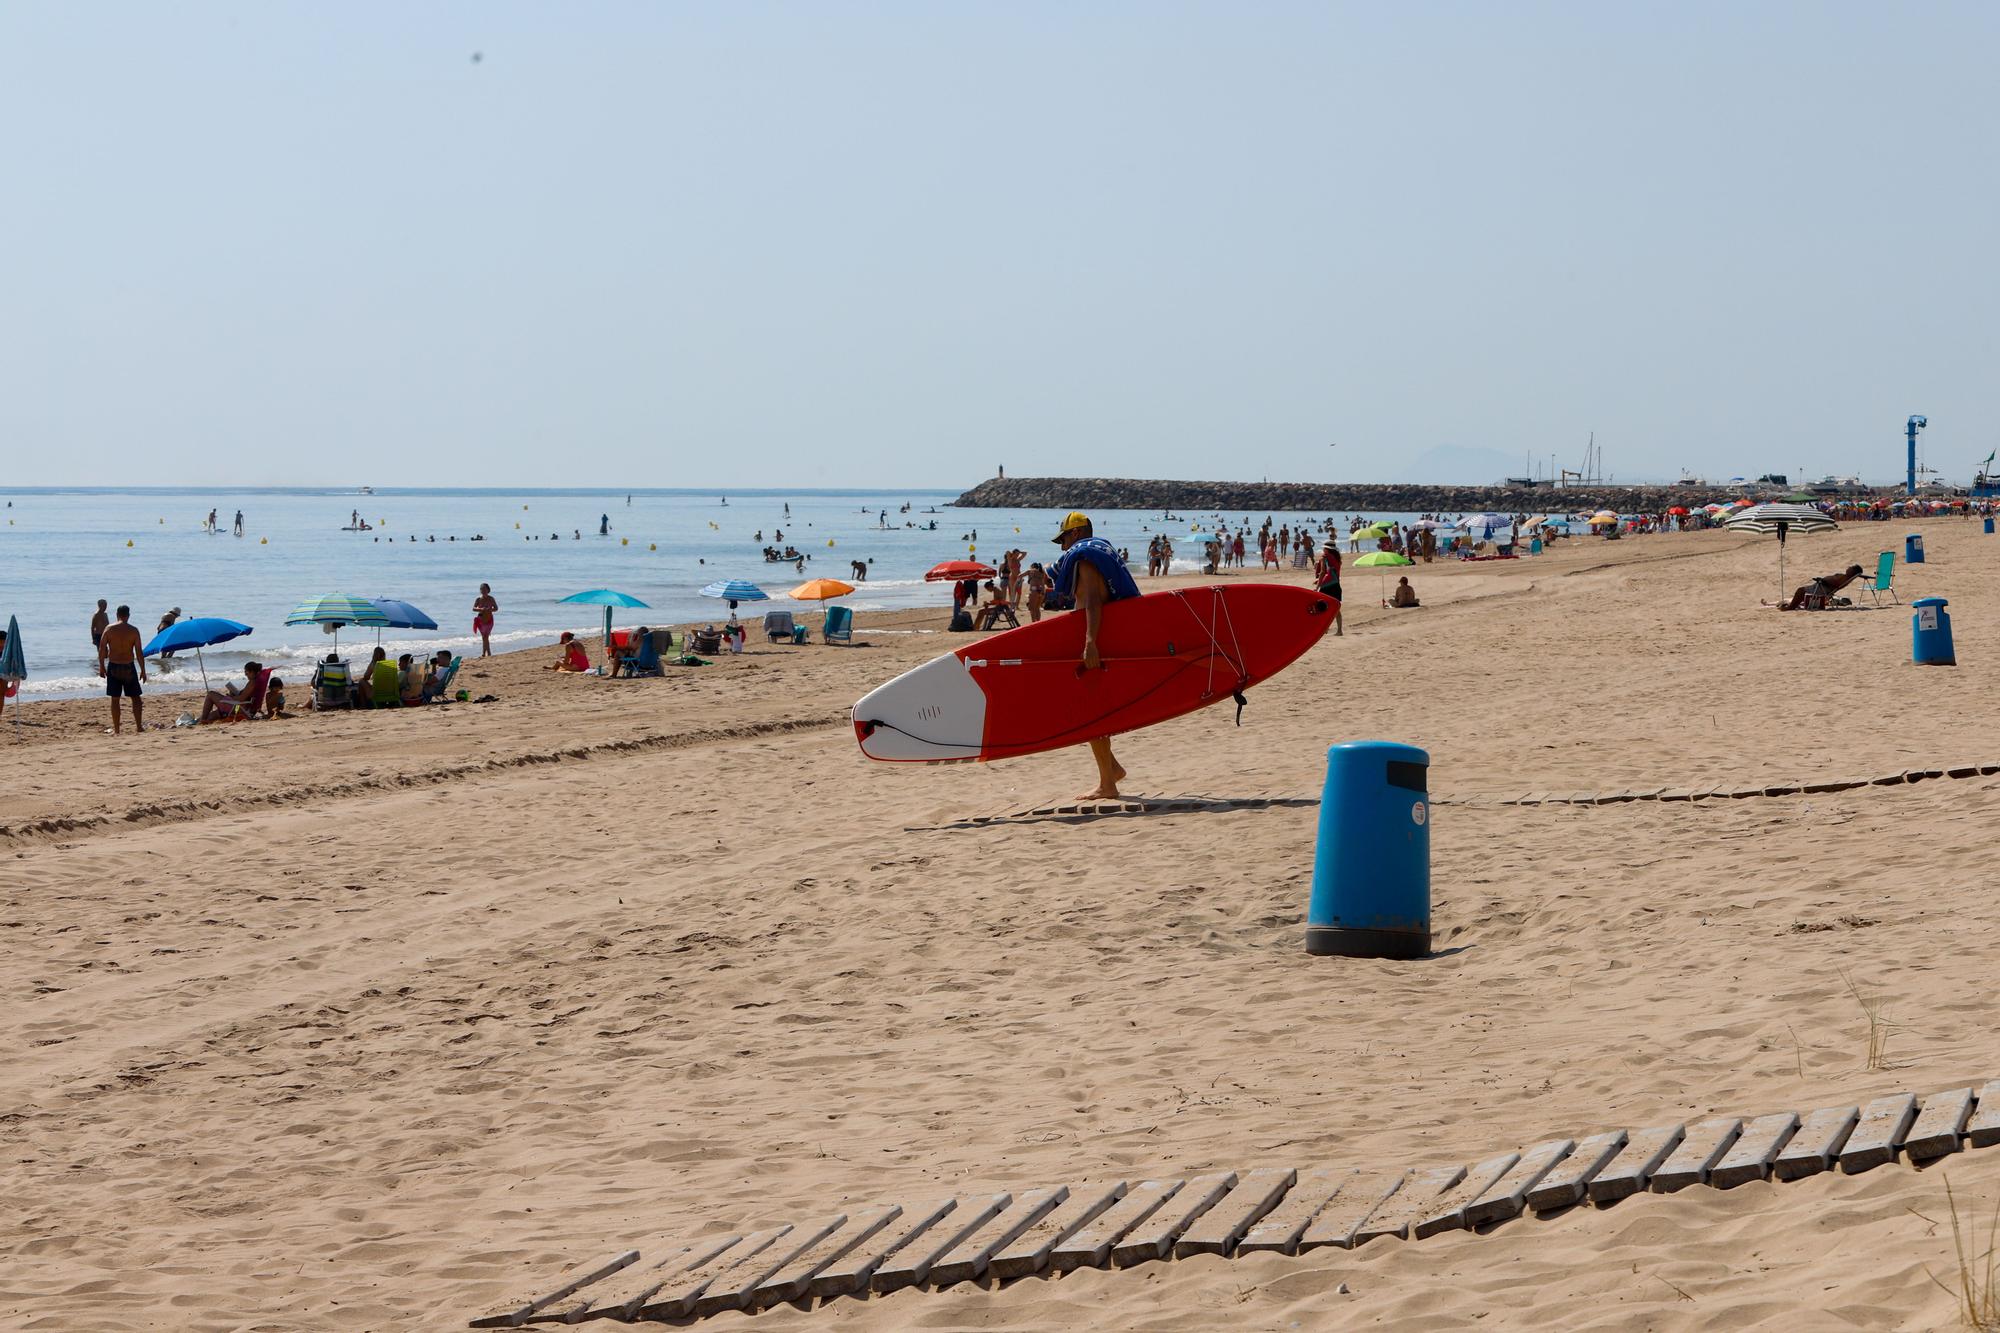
1071, 522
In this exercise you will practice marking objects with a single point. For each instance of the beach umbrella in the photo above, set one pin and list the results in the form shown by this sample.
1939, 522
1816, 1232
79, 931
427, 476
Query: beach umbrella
1783, 519
13, 662
736, 590
1426, 523
957, 571
401, 616
197, 633
820, 590
1678, 511
335, 609
606, 598
1487, 521
1381, 560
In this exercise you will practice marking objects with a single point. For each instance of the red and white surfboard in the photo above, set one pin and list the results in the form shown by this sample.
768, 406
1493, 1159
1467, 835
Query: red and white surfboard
1164, 654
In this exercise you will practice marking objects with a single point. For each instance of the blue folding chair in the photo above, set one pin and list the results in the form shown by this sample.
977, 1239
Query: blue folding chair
838, 627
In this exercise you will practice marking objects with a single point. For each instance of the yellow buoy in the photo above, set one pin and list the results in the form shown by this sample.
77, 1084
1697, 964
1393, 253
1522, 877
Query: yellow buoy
1017, 529
263, 541
10, 523
623, 542
652, 546
829, 541
517, 526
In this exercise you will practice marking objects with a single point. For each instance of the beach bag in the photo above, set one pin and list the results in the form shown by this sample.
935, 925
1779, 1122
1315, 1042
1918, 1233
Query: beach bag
961, 622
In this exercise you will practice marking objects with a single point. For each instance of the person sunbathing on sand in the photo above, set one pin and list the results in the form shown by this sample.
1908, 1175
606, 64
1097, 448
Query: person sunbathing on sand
573, 660
1819, 593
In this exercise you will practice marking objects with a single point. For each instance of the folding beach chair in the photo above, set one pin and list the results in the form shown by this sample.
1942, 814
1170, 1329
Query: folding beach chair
778, 626
440, 689
991, 616
1885, 566
333, 686
250, 704
645, 659
838, 627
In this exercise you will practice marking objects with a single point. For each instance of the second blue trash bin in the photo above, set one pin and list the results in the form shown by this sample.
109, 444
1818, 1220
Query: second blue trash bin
1913, 548
1930, 633
1371, 887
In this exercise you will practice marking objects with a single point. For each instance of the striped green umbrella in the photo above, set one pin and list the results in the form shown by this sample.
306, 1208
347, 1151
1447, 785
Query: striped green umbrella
336, 609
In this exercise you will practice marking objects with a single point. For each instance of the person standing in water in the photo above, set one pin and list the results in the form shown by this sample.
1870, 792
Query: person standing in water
1089, 577
169, 618
483, 610
604, 525
239, 523
98, 623
123, 665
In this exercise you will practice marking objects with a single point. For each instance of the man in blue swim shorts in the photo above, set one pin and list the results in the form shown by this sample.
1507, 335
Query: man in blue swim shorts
1088, 577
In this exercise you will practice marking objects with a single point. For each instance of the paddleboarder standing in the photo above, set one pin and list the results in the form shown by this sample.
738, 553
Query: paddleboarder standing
1088, 577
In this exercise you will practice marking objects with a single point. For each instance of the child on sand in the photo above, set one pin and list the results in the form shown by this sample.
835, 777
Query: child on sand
274, 698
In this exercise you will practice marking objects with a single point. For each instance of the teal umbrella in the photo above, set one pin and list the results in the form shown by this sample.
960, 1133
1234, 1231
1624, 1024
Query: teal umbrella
336, 609
606, 598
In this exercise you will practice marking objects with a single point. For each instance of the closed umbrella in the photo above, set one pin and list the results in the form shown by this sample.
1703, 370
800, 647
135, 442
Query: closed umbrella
1783, 519
606, 598
13, 662
197, 633
334, 610
736, 590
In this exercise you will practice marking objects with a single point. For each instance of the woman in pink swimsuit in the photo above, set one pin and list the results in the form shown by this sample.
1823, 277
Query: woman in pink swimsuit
483, 608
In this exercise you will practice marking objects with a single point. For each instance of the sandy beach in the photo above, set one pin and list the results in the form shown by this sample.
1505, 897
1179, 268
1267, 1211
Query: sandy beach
377, 1021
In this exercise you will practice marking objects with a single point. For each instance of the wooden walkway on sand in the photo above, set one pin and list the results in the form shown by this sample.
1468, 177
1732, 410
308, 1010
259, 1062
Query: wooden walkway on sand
1113, 1223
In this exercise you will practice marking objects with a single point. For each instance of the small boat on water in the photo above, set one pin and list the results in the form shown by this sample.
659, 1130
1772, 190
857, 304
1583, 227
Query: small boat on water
366, 490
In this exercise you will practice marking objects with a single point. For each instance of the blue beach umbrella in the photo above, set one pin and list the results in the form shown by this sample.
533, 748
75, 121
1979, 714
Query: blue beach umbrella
197, 633
14, 661
401, 616
335, 609
606, 598
736, 590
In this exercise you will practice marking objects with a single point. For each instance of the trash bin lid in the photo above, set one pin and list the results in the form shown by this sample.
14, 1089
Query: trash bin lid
1930, 601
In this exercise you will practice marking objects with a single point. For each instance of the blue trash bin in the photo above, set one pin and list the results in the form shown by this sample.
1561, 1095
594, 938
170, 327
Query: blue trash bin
1913, 548
1989, 527
1930, 633
1535, 546
1371, 888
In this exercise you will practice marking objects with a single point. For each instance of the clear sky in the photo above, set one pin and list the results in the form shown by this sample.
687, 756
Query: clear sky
900, 244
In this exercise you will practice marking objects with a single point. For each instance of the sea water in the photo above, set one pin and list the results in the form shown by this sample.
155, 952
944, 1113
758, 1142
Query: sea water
62, 549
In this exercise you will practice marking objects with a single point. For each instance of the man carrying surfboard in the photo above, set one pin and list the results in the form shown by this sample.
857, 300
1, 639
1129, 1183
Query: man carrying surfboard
1088, 577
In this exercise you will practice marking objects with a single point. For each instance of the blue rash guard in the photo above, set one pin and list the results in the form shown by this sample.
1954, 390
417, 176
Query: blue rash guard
1102, 557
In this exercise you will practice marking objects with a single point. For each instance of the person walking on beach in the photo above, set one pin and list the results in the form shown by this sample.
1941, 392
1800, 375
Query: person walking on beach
1089, 577
483, 610
1326, 576
98, 624
123, 666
